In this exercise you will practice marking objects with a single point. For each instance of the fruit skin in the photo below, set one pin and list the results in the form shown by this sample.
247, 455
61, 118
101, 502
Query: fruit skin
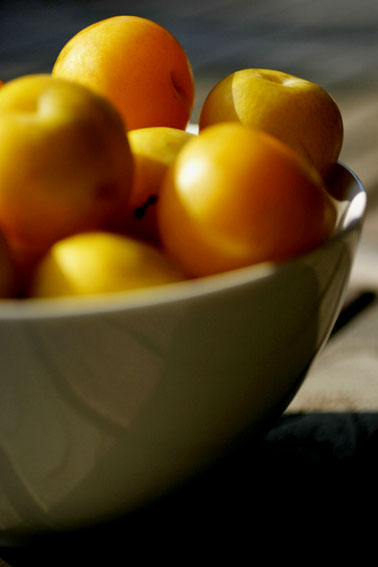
154, 150
100, 263
138, 65
298, 112
65, 162
7, 270
237, 196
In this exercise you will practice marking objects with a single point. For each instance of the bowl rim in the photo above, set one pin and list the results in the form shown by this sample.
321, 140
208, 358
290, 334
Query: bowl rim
15, 309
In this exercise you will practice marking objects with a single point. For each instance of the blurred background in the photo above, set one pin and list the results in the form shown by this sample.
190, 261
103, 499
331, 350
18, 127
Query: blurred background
332, 42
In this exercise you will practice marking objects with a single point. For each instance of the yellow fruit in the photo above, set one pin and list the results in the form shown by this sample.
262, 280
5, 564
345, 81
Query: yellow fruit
138, 65
65, 162
100, 263
298, 112
154, 150
237, 196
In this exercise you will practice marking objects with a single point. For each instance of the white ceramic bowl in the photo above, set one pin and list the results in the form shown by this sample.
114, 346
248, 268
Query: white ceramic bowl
106, 404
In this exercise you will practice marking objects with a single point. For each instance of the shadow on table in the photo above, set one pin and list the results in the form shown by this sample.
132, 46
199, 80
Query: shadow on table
310, 471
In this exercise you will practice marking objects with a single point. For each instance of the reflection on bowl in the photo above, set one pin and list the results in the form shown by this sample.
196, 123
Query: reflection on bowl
106, 404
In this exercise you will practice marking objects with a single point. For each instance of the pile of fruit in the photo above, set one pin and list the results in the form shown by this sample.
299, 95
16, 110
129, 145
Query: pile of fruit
103, 188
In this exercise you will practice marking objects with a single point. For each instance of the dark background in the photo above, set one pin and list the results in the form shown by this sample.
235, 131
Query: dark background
332, 42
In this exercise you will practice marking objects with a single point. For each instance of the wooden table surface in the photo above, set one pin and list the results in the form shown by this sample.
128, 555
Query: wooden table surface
334, 43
